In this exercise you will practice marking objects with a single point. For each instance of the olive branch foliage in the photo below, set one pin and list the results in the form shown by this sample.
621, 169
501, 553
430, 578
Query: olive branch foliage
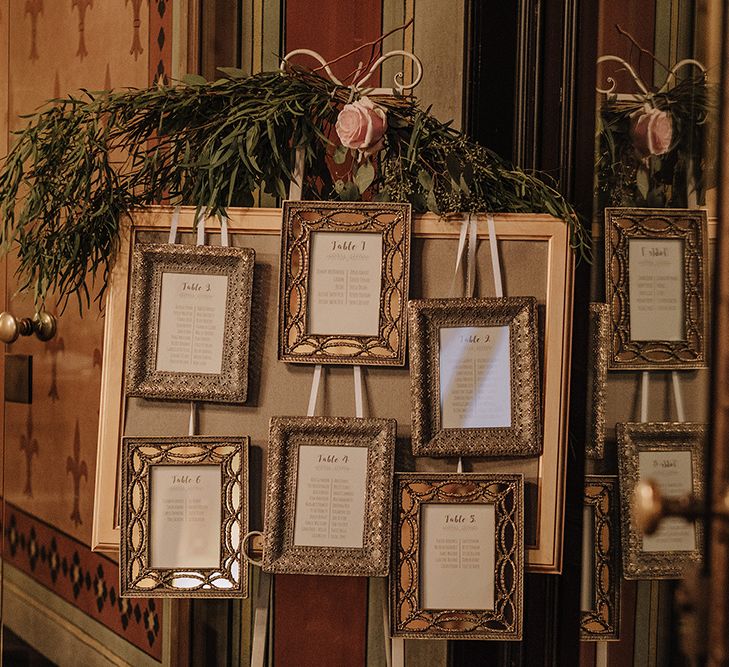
84, 162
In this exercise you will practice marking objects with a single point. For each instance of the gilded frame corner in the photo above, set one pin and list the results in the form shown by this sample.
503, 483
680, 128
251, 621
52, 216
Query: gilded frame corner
687, 225
286, 435
137, 578
634, 438
300, 220
524, 436
149, 263
602, 621
408, 618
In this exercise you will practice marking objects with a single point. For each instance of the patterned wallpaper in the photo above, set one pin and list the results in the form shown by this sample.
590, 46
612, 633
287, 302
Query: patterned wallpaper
52, 48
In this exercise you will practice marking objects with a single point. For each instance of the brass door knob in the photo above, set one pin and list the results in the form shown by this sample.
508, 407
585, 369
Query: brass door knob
650, 507
43, 325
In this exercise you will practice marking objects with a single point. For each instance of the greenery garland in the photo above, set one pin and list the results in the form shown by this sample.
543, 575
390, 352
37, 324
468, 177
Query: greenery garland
82, 163
626, 178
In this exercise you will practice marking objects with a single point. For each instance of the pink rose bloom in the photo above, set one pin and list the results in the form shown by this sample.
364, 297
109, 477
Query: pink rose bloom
651, 132
361, 125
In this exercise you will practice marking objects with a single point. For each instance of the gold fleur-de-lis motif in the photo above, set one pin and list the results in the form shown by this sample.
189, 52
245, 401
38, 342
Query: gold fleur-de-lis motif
34, 7
136, 49
54, 347
82, 6
29, 445
78, 469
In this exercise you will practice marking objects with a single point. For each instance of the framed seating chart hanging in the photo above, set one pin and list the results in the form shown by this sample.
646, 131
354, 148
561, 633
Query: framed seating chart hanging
474, 372
189, 322
656, 287
184, 512
536, 261
328, 496
671, 456
345, 272
459, 556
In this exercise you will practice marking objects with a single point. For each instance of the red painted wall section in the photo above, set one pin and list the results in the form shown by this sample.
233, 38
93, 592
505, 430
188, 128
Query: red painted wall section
332, 28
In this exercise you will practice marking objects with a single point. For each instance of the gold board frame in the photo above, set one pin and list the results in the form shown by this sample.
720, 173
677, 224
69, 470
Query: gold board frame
426, 317
149, 263
287, 434
634, 438
687, 225
602, 621
245, 226
599, 347
506, 493
139, 455
301, 219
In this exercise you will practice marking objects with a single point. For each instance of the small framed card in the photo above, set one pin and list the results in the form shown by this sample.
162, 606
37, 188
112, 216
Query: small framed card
474, 375
600, 590
184, 512
344, 283
656, 287
459, 556
328, 496
670, 455
189, 322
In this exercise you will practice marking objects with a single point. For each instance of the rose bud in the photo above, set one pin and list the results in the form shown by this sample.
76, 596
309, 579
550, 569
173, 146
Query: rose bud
651, 131
361, 125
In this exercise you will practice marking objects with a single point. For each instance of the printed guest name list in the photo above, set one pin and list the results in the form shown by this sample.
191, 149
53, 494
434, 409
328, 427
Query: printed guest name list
475, 377
458, 556
344, 283
185, 516
655, 279
191, 323
330, 496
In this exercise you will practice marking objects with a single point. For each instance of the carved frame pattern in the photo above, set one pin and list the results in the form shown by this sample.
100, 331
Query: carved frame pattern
426, 318
506, 493
137, 578
665, 437
689, 226
300, 220
286, 435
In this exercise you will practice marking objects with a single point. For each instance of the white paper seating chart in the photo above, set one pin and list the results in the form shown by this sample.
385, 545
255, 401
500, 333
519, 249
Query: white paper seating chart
671, 471
185, 516
192, 323
475, 377
458, 556
345, 282
330, 496
656, 289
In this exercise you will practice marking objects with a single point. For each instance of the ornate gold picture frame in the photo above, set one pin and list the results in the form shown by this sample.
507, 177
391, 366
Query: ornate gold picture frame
669, 255
597, 384
454, 496
192, 334
474, 321
343, 301
328, 496
661, 448
600, 617
175, 540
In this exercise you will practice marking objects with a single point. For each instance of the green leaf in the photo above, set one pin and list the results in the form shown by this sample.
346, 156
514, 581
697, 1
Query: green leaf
233, 72
194, 80
641, 180
364, 176
426, 180
431, 203
454, 166
340, 154
349, 192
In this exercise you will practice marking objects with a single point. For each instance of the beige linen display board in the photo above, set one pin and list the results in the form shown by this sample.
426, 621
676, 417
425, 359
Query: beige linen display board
536, 261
